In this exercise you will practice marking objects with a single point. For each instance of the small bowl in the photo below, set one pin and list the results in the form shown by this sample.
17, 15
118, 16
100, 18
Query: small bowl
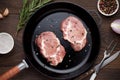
6, 43
107, 14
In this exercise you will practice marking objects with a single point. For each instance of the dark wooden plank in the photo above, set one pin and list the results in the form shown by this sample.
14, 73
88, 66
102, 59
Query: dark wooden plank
13, 5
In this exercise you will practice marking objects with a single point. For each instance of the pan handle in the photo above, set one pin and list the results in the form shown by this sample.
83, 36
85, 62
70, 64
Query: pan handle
96, 16
12, 72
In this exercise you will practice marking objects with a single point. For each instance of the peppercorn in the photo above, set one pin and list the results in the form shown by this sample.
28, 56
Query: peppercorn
108, 6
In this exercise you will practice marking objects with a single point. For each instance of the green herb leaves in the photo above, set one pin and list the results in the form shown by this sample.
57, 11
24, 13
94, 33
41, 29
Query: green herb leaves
29, 7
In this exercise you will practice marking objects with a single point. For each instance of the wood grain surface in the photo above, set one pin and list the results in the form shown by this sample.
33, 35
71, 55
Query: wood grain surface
9, 23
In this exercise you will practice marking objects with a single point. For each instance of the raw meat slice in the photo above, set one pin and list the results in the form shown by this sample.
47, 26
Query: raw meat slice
74, 32
50, 47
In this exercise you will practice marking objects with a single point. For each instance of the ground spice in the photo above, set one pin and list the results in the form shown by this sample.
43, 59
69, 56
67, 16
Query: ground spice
108, 6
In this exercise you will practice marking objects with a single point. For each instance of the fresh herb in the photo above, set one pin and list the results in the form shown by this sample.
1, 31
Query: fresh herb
29, 7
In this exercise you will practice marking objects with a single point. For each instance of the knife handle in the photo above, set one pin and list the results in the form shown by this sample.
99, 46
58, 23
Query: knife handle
85, 74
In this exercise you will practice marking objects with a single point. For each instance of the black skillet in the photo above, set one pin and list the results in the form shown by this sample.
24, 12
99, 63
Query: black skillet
49, 18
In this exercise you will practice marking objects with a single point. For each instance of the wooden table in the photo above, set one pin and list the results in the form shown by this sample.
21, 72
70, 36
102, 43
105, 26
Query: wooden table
8, 24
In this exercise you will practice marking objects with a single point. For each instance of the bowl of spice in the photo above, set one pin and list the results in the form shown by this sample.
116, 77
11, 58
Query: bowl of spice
6, 43
108, 7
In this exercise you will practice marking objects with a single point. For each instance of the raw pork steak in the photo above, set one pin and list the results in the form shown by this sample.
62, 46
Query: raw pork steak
74, 32
50, 47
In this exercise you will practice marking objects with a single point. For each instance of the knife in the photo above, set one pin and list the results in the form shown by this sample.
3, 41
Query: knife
107, 61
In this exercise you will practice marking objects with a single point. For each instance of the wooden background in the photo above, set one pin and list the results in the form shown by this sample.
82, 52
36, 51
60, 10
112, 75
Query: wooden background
8, 24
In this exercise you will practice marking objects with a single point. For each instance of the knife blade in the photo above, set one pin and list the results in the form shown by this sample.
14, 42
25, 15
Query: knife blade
93, 76
107, 61
110, 59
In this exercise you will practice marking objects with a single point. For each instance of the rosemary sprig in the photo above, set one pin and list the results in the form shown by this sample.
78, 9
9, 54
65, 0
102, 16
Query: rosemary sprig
29, 7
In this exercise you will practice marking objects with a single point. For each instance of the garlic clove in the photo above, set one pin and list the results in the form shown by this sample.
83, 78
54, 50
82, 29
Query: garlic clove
6, 12
1, 16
